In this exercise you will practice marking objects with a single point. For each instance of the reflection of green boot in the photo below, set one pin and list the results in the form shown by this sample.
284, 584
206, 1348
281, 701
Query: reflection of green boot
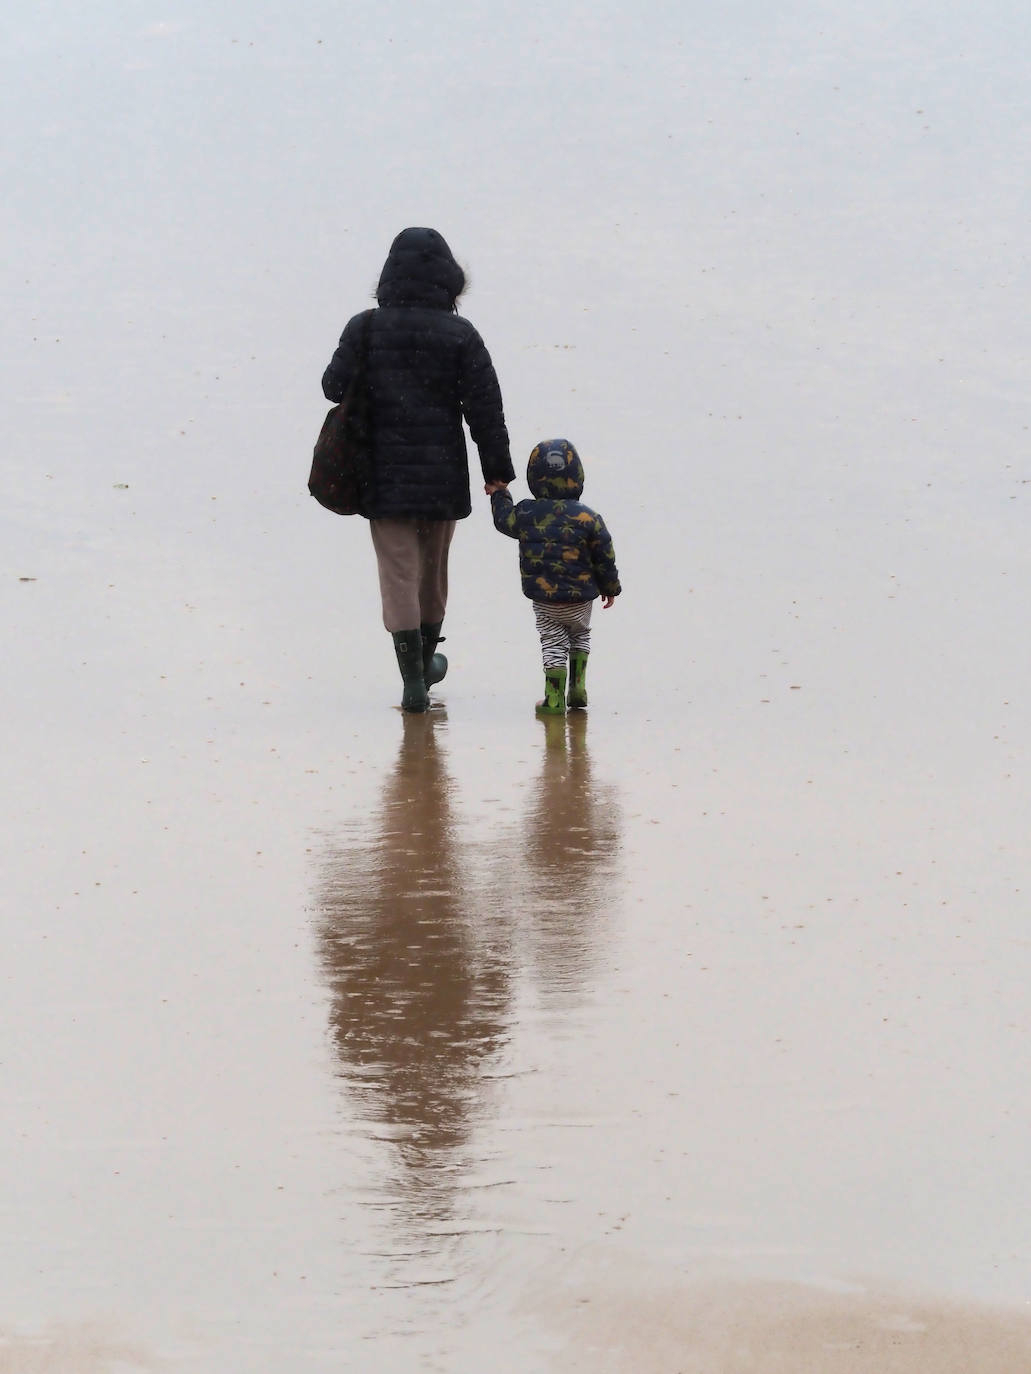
554, 703
434, 665
577, 699
408, 647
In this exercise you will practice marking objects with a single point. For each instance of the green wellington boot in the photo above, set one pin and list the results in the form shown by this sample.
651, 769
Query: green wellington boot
577, 698
408, 647
434, 665
554, 702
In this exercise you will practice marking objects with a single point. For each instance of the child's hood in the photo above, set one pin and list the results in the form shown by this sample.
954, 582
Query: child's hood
555, 471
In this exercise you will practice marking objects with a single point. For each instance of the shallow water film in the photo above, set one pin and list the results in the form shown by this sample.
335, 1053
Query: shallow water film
687, 1033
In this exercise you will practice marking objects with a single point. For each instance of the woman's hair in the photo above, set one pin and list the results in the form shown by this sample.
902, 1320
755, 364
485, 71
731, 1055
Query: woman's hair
465, 287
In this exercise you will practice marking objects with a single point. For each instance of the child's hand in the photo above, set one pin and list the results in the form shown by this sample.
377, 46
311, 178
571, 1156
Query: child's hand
491, 487
606, 602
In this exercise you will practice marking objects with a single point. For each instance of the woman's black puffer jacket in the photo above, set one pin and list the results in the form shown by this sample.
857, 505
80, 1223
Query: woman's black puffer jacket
428, 368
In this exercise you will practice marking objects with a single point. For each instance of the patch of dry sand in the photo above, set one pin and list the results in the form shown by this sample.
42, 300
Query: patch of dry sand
75, 1348
790, 1328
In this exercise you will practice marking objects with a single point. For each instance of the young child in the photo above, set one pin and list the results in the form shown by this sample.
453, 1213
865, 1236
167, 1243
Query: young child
566, 560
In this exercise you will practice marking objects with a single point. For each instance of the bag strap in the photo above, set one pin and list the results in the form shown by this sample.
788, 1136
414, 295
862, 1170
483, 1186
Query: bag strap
363, 347
366, 456
361, 376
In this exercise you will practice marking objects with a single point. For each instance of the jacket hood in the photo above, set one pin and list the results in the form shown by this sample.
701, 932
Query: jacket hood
555, 471
420, 270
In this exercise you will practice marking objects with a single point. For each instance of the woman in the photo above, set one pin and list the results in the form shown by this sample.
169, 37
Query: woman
427, 369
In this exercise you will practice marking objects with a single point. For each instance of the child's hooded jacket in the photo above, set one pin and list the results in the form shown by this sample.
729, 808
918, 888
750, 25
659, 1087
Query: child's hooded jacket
565, 551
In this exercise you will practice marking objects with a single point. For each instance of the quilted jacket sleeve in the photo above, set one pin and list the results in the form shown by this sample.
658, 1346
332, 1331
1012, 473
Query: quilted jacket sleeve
504, 513
337, 376
603, 558
480, 396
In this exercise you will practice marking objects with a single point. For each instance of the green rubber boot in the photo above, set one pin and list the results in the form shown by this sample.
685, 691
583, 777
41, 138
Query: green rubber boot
554, 702
434, 665
408, 647
577, 698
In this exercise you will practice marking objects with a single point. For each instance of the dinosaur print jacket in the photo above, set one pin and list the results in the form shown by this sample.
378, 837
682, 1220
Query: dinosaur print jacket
565, 550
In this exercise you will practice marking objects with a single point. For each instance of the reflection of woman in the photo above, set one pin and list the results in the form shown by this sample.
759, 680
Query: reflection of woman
427, 368
415, 1008
571, 846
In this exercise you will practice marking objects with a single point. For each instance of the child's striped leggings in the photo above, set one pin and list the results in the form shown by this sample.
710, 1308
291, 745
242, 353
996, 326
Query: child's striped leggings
563, 628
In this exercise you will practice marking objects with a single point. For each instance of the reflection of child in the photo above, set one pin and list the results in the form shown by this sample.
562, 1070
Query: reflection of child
566, 560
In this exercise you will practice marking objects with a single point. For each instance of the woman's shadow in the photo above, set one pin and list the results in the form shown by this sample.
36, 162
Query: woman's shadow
419, 1003
424, 937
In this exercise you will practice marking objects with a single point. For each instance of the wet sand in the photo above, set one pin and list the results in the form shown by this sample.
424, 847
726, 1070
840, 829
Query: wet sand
435, 1037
